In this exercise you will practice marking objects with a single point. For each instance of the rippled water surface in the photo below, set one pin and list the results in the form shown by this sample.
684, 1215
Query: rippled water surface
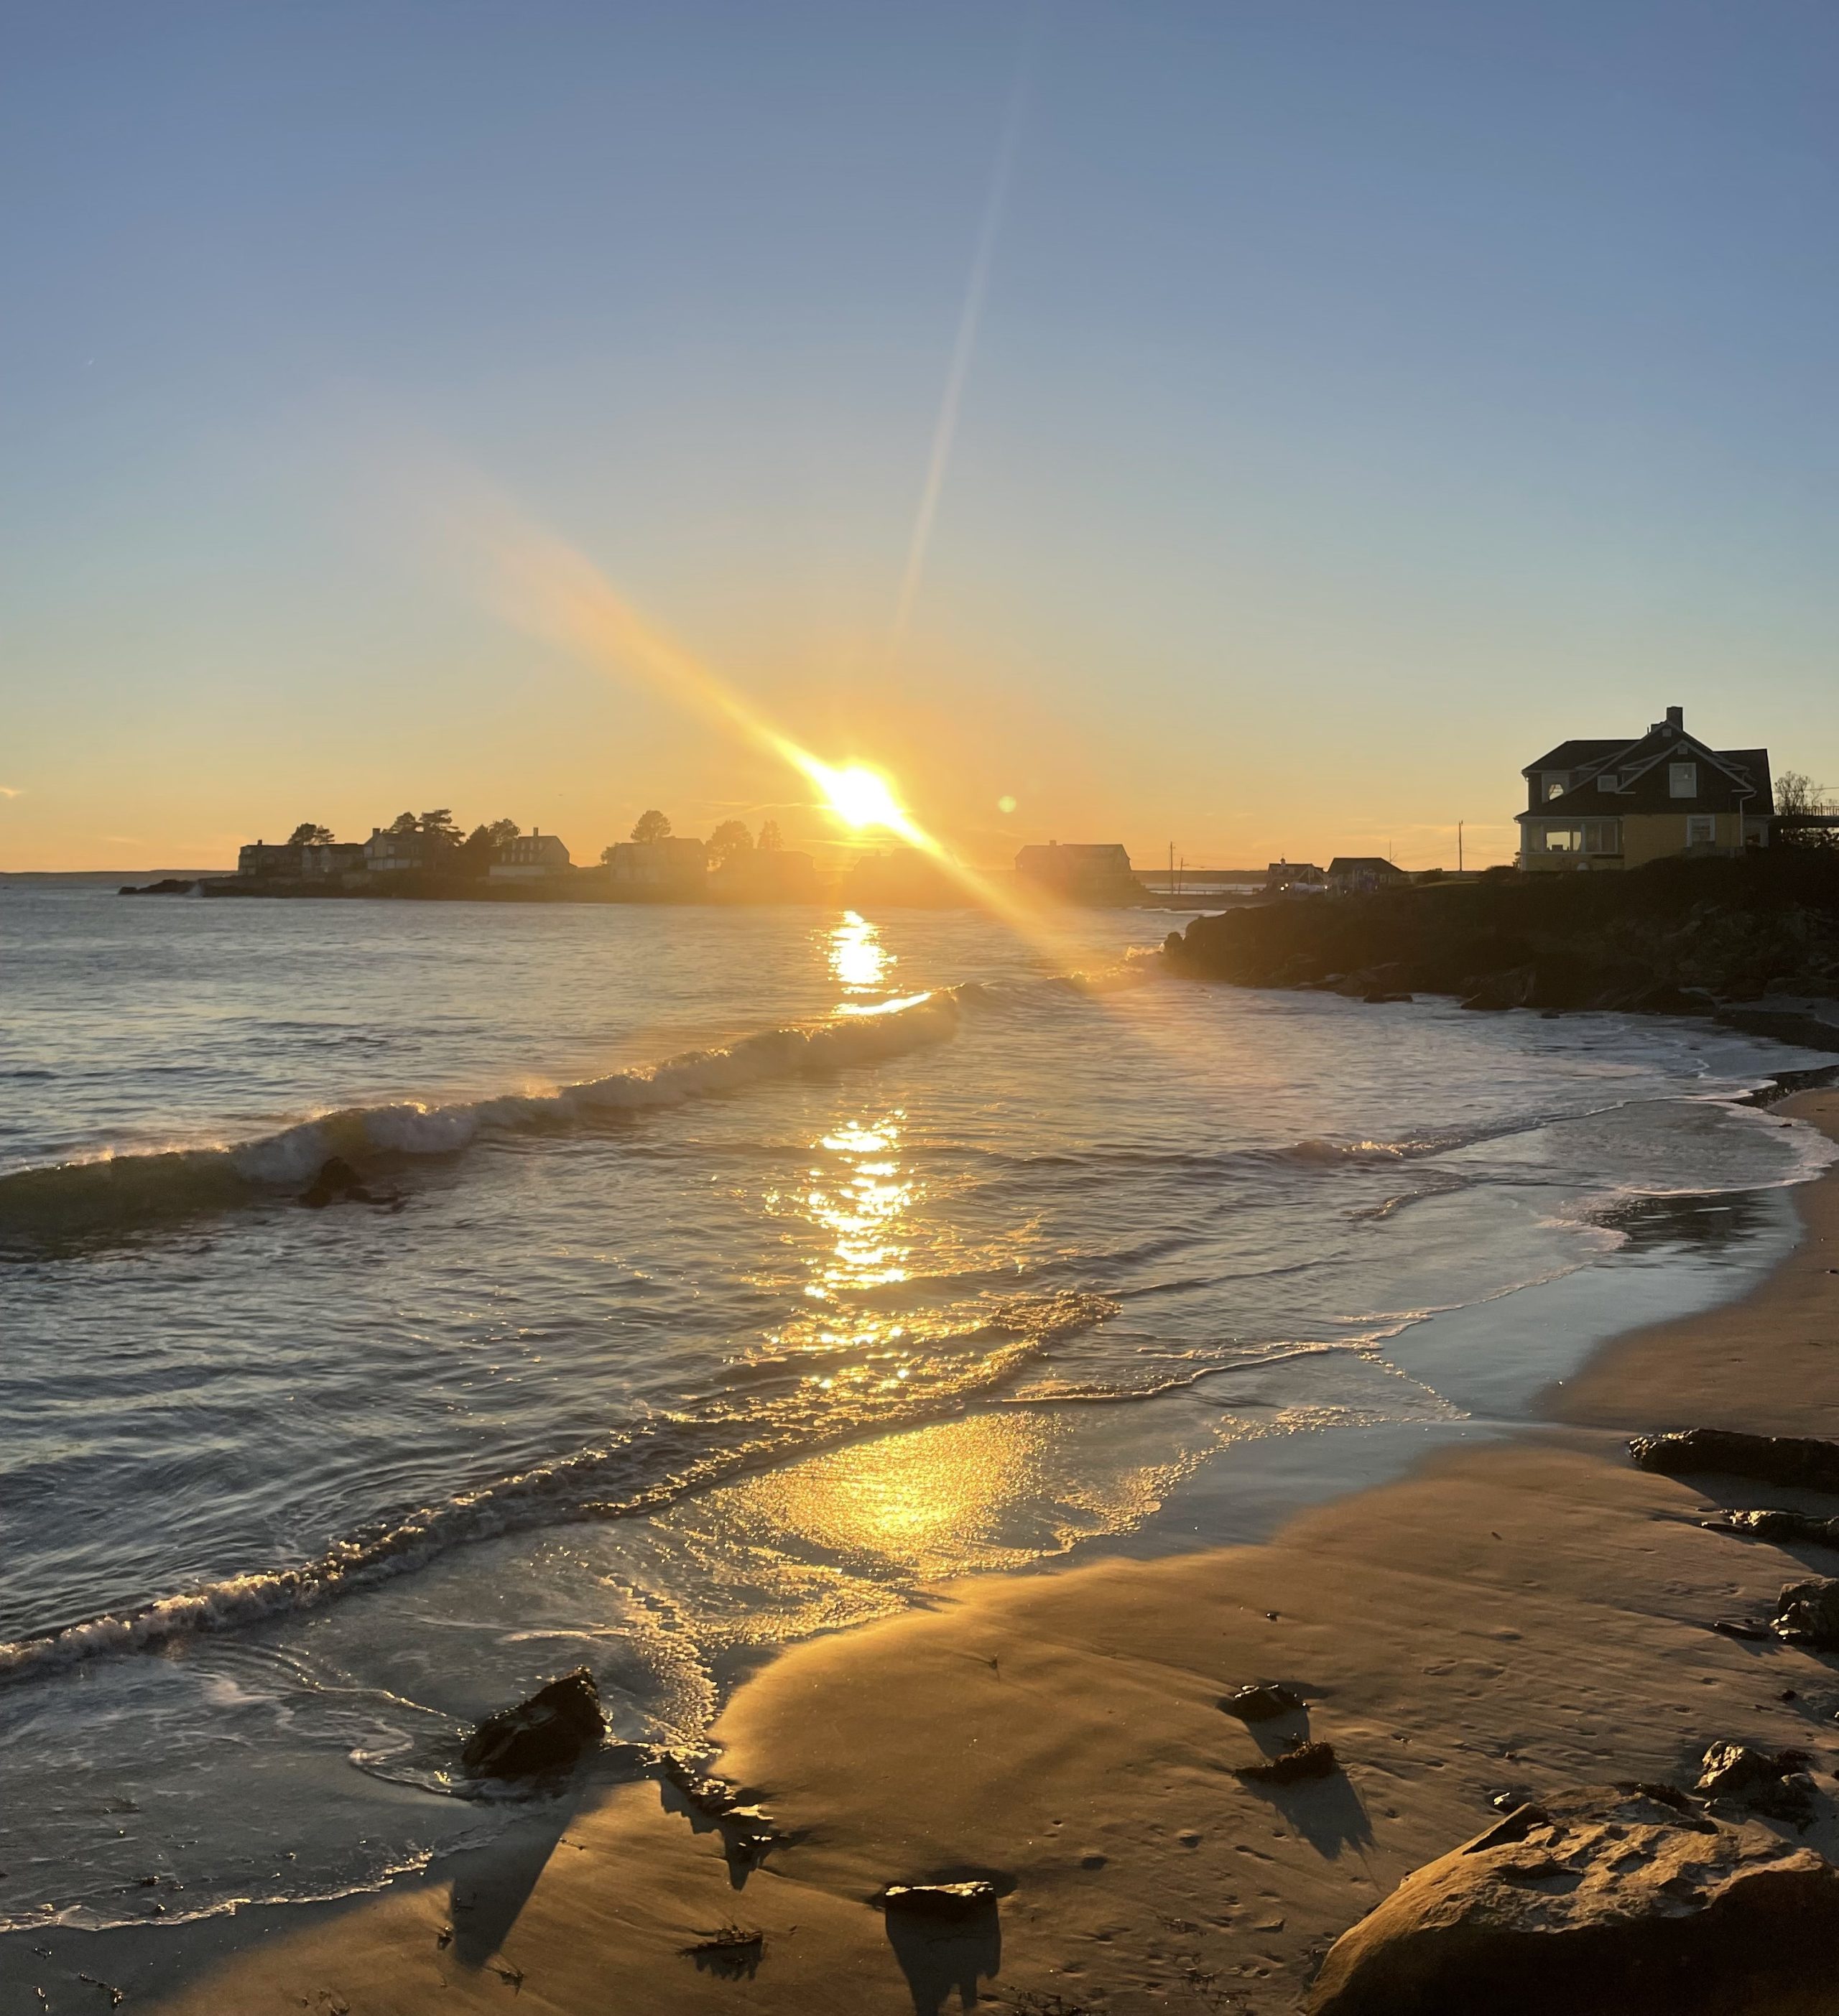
715, 1277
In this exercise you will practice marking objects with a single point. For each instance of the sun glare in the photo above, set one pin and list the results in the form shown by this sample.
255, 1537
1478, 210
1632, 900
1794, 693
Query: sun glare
861, 796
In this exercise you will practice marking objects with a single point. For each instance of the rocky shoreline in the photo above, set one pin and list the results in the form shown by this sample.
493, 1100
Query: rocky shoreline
1754, 942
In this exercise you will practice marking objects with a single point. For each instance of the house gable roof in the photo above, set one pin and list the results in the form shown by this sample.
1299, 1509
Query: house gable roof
1575, 754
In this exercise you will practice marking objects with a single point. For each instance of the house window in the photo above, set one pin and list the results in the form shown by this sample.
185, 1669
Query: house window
1683, 780
1701, 832
1555, 783
1564, 839
1603, 836
1605, 780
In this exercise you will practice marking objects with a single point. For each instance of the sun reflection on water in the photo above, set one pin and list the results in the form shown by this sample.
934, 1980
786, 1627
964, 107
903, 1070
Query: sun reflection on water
860, 1203
858, 958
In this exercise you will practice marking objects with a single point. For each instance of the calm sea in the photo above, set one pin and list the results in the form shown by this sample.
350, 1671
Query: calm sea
719, 1276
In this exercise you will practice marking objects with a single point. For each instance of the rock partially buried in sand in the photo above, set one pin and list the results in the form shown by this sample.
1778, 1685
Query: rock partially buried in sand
1772, 1458
1604, 1902
938, 1900
552, 1731
1770, 1782
1770, 1524
1263, 1702
1808, 1613
1307, 1760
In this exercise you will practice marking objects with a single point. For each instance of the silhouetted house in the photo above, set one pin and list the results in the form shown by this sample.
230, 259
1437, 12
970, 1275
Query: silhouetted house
1282, 875
527, 857
1360, 874
332, 857
1081, 872
404, 853
677, 866
259, 860
1596, 805
765, 875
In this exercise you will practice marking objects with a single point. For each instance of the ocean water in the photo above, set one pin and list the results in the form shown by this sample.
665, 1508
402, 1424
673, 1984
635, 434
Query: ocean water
718, 1277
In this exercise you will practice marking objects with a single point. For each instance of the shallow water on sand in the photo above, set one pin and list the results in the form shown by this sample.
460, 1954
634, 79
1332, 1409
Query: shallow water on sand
720, 1277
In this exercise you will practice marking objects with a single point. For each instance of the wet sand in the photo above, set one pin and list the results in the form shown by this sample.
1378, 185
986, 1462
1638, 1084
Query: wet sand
1529, 1613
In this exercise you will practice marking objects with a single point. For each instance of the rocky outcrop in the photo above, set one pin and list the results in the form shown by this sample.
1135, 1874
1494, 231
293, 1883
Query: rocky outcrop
1801, 1462
1735, 1779
1770, 1524
551, 1731
1808, 1613
1609, 1901
1678, 937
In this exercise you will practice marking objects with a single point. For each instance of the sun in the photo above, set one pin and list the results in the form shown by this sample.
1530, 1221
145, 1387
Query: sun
861, 797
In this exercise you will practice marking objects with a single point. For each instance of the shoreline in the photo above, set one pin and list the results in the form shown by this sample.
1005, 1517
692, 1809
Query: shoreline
1529, 1613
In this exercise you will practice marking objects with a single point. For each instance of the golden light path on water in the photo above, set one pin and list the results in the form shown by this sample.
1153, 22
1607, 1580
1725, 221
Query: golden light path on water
927, 1501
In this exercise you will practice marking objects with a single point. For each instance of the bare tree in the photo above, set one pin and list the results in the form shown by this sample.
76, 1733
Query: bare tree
1796, 794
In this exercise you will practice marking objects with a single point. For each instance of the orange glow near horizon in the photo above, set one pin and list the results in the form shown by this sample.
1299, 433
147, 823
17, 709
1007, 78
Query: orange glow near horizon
549, 588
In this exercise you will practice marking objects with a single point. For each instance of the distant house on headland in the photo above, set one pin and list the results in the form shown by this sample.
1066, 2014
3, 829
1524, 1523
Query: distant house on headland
1598, 804
331, 857
681, 866
1282, 875
1079, 872
530, 855
259, 860
1359, 874
402, 853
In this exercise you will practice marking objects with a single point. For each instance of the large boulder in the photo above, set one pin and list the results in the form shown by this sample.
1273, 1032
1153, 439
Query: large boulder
1609, 1901
552, 1731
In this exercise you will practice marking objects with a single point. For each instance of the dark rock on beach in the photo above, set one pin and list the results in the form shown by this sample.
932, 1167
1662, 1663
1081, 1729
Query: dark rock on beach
1786, 1460
1603, 1902
1263, 1702
1808, 1613
938, 1900
1770, 1525
1307, 1760
551, 1731
1771, 1782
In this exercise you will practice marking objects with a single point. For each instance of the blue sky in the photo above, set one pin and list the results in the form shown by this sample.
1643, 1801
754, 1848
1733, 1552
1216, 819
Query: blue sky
1365, 397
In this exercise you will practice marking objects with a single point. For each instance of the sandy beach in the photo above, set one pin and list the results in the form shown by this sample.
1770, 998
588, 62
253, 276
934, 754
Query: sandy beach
1529, 1614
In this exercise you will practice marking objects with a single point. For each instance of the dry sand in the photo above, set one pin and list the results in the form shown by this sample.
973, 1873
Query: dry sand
1529, 1613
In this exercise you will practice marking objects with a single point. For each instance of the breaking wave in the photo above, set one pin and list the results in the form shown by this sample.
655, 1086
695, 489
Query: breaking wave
638, 1470
124, 1189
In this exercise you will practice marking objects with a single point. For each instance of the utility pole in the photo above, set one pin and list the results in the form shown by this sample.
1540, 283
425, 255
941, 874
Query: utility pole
1169, 884
1458, 847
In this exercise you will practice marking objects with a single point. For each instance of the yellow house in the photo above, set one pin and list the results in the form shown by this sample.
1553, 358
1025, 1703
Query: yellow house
1618, 805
